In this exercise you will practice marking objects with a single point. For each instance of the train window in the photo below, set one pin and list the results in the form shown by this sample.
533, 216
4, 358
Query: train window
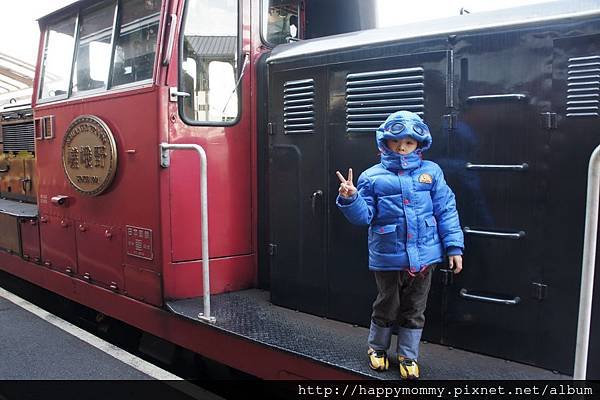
94, 48
210, 62
58, 55
136, 42
280, 22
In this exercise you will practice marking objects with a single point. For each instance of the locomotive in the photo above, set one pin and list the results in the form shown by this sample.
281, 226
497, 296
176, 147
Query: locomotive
178, 174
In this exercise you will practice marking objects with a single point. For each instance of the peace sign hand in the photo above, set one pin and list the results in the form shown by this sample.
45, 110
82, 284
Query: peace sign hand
347, 188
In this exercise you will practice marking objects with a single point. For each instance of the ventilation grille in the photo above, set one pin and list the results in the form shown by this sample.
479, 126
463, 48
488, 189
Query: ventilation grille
298, 107
18, 137
583, 87
372, 96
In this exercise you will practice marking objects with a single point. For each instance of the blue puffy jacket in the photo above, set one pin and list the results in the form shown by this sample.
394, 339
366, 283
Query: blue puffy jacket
410, 210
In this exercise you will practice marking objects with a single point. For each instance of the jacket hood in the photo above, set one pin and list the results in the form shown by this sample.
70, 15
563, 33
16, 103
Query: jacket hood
402, 124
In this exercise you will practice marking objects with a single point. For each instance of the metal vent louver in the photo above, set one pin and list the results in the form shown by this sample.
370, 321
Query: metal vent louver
372, 96
583, 87
18, 137
298, 107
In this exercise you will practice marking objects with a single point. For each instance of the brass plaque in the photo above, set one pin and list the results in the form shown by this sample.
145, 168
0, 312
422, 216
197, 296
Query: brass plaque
139, 242
89, 155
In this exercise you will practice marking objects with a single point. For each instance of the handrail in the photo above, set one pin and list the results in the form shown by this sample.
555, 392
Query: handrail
587, 269
497, 167
515, 235
464, 293
165, 161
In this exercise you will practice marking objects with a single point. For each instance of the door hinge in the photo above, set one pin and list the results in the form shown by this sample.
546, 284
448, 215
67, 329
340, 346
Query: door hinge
539, 290
548, 120
272, 249
270, 129
447, 276
450, 122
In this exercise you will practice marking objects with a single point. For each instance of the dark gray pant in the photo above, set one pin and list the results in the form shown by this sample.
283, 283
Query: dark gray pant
401, 298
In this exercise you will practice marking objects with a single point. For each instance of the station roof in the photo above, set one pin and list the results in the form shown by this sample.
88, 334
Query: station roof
16, 80
15, 74
213, 46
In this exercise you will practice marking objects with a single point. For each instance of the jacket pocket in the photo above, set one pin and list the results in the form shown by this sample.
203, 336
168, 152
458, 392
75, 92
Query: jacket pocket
384, 239
431, 231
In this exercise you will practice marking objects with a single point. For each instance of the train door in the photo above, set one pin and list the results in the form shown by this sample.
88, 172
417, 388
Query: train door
211, 107
573, 137
297, 191
495, 169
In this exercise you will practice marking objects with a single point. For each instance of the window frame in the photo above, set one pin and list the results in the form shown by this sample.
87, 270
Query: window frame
40, 99
263, 25
239, 65
115, 32
107, 86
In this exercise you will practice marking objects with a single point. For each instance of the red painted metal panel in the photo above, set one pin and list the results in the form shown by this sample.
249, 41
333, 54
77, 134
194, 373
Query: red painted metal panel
30, 239
226, 275
58, 244
229, 194
143, 285
132, 198
99, 254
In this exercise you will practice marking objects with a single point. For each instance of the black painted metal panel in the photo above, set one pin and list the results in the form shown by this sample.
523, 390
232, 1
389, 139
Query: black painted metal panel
296, 192
495, 168
569, 149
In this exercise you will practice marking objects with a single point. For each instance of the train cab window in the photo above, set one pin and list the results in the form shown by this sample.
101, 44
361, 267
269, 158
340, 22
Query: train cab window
114, 45
136, 43
210, 62
57, 59
280, 22
92, 61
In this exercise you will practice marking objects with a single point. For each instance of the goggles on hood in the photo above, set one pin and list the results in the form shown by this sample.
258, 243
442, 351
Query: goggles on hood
395, 128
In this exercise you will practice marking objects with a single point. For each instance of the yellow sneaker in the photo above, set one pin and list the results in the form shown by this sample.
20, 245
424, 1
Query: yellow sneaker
409, 369
378, 360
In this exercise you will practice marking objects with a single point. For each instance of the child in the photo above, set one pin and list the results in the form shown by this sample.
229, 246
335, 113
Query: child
412, 218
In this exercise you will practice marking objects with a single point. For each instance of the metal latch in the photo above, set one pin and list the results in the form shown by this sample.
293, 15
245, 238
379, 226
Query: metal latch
539, 291
174, 94
548, 120
450, 121
272, 249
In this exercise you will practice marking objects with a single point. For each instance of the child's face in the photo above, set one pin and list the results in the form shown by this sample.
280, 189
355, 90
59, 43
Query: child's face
402, 146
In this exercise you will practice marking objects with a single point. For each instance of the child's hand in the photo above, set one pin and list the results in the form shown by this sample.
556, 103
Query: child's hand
347, 188
455, 263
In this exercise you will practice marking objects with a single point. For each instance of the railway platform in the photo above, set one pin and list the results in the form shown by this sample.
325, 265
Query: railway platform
41, 353
36, 345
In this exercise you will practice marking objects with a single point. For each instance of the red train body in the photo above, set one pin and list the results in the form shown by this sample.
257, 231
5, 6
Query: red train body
105, 222
134, 245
